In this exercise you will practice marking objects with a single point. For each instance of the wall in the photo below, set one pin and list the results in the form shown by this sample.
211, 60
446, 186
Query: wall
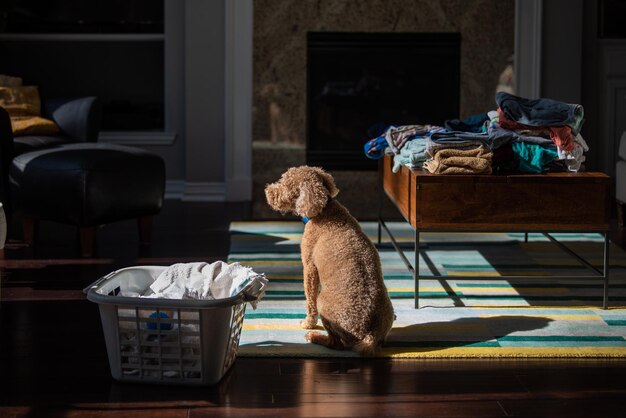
195, 96
204, 92
604, 91
562, 50
598, 64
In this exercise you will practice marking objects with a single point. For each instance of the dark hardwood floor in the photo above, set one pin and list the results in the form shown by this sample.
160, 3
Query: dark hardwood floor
53, 360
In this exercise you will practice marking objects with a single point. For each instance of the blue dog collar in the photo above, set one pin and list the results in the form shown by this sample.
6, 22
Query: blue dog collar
305, 220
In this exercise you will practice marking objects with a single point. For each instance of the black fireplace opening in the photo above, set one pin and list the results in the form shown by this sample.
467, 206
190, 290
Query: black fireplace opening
358, 84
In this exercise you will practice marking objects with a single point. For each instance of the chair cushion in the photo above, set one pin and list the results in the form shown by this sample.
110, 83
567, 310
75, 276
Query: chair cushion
88, 184
28, 143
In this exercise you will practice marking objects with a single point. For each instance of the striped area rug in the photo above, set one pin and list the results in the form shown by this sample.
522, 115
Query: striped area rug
457, 318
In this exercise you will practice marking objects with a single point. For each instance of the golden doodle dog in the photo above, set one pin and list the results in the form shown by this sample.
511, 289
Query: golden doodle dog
343, 280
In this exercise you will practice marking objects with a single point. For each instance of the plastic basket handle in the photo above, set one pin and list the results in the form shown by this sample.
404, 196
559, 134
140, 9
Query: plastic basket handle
97, 282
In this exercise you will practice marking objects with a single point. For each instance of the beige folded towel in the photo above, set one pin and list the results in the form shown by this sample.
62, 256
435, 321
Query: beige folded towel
457, 161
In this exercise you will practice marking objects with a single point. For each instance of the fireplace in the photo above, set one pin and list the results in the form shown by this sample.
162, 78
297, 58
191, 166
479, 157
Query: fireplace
360, 83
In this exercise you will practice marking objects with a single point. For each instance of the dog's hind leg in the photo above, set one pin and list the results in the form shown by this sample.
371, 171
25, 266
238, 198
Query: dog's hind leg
367, 346
332, 340
323, 339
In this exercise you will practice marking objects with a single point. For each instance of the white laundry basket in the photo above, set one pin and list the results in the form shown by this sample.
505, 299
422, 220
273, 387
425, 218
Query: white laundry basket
170, 341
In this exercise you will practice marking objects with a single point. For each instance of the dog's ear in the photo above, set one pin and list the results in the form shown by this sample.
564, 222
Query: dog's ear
312, 198
328, 181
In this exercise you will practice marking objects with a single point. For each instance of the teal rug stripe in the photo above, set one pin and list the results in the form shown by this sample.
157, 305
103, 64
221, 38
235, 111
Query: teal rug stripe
491, 297
440, 344
528, 298
570, 344
488, 285
559, 338
297, 313
284, 293
520, 267
457, 294
571, 285
616, 322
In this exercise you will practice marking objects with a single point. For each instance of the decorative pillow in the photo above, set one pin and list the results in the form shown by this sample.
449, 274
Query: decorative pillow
24, 107
21, 101
33, 125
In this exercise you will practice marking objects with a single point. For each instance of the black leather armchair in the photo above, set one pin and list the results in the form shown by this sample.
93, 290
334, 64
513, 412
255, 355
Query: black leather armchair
78, 120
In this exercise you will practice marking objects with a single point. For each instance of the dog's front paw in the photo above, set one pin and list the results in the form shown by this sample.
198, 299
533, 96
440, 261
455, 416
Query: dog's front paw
309, 322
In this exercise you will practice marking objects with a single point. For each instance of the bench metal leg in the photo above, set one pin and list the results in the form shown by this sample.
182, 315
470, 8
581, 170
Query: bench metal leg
605, 271
597, 273
416, 268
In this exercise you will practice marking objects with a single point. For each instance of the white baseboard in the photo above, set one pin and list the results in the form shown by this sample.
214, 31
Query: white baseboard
174, 189
137, 138
195, 191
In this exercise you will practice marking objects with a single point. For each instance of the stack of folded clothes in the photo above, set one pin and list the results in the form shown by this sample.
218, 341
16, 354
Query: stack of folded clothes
523, 135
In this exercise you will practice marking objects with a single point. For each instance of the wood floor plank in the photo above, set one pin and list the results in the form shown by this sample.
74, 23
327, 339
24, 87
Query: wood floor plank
377, 409
605, 408
602, 381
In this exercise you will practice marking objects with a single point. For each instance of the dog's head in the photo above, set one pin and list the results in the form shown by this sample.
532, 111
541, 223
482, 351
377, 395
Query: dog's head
302, 190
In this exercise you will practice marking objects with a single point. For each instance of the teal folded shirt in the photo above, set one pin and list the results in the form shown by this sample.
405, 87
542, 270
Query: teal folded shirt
533, 158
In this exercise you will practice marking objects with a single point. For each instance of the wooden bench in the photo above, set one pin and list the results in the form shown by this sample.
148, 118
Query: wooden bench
544, 203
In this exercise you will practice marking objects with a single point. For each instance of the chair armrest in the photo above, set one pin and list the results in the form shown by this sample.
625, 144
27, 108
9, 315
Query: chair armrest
78, 118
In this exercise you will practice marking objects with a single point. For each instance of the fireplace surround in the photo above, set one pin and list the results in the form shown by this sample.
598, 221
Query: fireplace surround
360, 83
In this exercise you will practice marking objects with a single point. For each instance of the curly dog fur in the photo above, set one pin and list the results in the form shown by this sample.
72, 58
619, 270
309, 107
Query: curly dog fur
343, 280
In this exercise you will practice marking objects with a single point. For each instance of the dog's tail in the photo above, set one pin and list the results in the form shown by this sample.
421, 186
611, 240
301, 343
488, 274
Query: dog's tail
368, 346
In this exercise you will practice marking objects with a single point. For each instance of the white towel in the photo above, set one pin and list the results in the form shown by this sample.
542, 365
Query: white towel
205, 281
174, 281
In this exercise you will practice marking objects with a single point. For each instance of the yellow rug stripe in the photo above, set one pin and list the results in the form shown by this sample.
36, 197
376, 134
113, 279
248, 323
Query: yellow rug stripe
502, 352
305, 350
290, 327
504, 290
